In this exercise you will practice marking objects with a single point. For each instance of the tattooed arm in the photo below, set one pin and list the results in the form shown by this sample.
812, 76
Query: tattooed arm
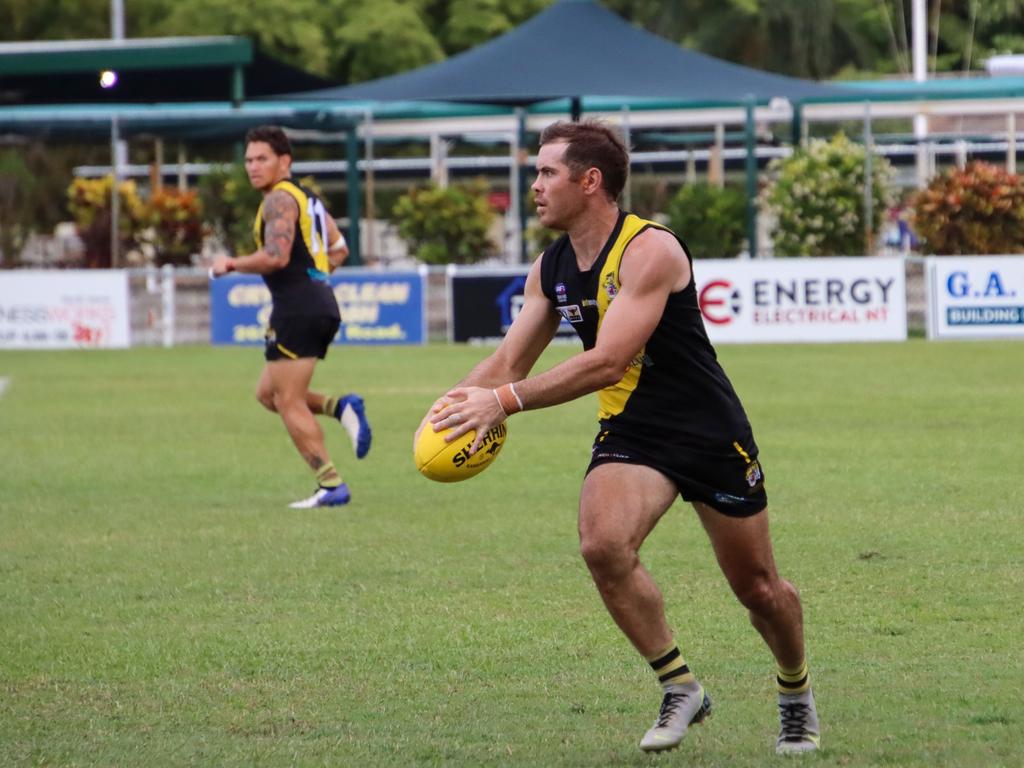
280, 212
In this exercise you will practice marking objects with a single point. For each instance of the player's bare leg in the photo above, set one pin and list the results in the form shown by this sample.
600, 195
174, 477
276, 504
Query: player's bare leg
288, 382
744, 551
349, 410
619, 506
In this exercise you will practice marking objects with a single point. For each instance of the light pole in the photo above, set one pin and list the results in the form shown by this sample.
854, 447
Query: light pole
919, 42
116, 146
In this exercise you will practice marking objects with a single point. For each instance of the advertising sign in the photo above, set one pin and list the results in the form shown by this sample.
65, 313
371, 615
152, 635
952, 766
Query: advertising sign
376, 308
65, 309
803, 300
975, 297
483, 303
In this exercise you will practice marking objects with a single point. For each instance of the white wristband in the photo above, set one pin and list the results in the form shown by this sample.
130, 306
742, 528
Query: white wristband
516, 395
338, 244
498, 398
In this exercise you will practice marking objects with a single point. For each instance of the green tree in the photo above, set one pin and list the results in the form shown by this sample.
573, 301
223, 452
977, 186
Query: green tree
293, 31
54, 19
711, 219
383, 38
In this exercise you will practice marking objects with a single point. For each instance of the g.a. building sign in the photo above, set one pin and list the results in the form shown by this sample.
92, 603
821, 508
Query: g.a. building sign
975, 297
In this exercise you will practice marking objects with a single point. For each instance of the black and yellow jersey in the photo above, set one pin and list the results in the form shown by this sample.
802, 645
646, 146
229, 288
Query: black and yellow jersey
301, 287
674, 391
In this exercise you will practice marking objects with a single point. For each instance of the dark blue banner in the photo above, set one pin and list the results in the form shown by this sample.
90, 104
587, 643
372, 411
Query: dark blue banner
376, 308
485, 302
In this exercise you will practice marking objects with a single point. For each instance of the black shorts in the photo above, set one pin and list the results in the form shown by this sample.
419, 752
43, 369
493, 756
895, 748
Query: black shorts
295, 336
730, 483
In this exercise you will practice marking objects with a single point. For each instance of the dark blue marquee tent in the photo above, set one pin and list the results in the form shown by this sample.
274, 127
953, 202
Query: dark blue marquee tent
577, 48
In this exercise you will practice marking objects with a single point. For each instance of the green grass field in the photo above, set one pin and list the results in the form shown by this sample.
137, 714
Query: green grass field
161, 606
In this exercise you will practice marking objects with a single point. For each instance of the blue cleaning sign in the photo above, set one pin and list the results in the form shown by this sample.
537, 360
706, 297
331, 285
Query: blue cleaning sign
376, 308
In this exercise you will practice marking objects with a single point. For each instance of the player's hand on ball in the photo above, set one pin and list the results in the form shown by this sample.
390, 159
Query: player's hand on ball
468, 409
448, 454
438, 405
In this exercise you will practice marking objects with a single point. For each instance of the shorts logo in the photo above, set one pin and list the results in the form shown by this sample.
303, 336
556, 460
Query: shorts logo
571, 313
754, 475
560, 293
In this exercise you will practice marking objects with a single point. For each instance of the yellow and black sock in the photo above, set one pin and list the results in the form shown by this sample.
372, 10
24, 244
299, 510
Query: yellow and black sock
670, 667
794, 681
330, 403
327, 476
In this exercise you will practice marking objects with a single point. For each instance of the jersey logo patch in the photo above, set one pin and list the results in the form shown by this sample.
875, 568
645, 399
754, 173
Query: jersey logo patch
571, 313
609, 286
560, 293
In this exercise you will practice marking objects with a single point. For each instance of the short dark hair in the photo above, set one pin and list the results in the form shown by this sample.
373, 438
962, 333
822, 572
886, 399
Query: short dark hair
272, 135
592, 144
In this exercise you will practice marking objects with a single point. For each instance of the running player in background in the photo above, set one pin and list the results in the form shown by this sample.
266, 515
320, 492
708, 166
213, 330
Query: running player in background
298, 244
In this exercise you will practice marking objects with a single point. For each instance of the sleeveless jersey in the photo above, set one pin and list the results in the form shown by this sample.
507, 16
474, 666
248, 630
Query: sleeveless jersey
301, 287
674, 392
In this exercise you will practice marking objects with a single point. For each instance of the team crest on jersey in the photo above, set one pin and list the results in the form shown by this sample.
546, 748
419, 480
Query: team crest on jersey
754, 474
610, 287
560, 293
571, 313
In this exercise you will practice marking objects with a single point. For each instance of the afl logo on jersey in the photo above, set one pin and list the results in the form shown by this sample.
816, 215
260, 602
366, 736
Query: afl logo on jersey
560, 293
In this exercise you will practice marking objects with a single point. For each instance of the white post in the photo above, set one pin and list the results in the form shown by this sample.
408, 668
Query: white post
182, 174
115, 195
167, 313
961, 154
716, 161
869, 198
1011, 142
919, 37
370, 212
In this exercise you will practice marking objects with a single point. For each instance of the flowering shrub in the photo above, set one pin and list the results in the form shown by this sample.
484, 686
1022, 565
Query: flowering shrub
977, 210
177, 225
230, 203
817, 197
446, 225
89, 202
711, 220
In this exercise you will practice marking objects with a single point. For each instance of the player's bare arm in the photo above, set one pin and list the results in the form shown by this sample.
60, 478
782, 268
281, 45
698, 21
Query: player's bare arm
336, 253
653, 267
526, 339
280, 213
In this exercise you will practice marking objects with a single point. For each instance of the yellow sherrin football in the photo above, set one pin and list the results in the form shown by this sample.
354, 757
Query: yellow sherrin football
451, 462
